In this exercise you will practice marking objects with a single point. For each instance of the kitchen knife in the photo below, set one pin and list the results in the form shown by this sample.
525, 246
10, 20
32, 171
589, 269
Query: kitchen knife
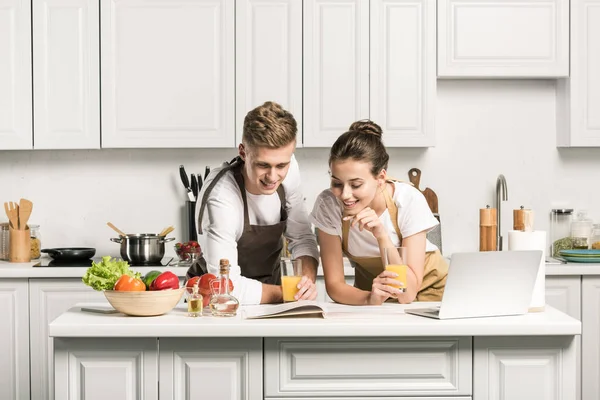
200, 182
194, 186
206, 172
186, 183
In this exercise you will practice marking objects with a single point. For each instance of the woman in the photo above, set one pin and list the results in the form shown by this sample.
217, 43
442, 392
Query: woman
365, 212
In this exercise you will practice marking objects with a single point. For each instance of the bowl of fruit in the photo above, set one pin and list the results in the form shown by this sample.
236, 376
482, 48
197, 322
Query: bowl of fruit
188, 252
156, 293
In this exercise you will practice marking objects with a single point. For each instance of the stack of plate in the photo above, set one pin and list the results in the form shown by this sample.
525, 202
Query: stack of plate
581, 256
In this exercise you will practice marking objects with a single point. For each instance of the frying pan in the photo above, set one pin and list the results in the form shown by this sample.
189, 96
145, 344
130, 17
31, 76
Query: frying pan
70, 253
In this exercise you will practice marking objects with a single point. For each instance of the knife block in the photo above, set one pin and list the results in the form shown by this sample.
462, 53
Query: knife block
20, 245
488, 229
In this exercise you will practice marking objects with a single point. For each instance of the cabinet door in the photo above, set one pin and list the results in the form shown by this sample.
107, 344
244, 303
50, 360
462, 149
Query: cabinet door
101, 369
15, 75
14, 339
336, 68
590, 338
48, 299
578, 99
268, 57
211, 368
167, 73
403, 70
510, 38
66, 73
564, 294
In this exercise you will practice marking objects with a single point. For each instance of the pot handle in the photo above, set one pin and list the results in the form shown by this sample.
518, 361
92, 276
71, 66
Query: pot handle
51, 252
117, 240
167, 240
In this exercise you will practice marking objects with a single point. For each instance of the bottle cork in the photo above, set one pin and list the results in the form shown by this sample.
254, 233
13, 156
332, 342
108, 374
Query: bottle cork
488, 229
523, 219
223, 266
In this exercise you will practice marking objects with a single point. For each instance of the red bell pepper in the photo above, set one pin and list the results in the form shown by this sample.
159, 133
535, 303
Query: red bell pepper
166, 280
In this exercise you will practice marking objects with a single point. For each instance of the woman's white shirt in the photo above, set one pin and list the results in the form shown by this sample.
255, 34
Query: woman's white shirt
414, 216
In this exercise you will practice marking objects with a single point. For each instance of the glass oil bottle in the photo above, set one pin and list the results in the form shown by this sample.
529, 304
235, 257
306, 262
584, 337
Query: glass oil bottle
195, 302
222, 303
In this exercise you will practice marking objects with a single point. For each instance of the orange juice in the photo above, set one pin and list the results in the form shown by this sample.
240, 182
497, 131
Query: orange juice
289, 286
400, 269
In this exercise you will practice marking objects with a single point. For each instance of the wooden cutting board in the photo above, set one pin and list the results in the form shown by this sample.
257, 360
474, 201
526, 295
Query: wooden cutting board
414, 175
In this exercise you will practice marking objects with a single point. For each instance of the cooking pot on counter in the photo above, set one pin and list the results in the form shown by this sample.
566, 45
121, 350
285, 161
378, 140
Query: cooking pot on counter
143, 248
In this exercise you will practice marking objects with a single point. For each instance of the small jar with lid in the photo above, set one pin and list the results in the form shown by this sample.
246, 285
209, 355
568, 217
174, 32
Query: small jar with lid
4, 241
596, 237
36, 241
581, 231
560, 230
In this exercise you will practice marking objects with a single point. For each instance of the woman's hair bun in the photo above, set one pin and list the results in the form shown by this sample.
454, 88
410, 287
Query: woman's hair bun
366, 126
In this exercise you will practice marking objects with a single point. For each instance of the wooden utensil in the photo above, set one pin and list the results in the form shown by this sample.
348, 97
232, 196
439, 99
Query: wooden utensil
12, 212
166, 231
25, 208
116, 229
414, 175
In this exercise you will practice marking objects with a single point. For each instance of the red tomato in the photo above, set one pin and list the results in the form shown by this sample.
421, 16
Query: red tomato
130, 284
205, 281
192, 281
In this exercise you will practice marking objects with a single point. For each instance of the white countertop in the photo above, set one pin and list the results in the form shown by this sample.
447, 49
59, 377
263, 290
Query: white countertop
77, 323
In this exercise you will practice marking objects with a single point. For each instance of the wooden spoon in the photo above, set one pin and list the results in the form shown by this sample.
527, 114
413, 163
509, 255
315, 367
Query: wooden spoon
12, 213
25, 207
166, 231
114, 228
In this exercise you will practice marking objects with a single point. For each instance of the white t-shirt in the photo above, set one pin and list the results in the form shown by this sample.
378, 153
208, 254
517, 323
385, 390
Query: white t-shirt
223, 225
414, 216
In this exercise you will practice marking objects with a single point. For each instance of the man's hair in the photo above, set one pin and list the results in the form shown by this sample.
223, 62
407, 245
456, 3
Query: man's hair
269, 125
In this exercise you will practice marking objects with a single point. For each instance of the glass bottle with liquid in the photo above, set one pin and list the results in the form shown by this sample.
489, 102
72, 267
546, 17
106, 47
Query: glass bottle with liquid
222, 303
195, 302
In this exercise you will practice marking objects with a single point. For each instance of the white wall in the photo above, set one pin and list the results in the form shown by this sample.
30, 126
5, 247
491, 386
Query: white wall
484, 128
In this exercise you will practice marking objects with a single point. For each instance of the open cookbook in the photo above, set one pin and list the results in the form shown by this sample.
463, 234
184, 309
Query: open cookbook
309, 308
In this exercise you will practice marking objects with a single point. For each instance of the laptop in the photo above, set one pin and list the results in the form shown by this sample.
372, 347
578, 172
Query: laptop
486, 284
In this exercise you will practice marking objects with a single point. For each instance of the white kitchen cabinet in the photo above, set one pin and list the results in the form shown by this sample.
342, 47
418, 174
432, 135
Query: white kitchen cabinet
66, 74
590, 338
48, 298
168, 74
211, 368
336, 68
15, 75
268, 57
14, 339
524, 368
403, 71
97, 369
578, 98
511, 38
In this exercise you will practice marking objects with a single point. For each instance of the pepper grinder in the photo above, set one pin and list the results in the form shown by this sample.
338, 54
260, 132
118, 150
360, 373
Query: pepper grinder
488, 229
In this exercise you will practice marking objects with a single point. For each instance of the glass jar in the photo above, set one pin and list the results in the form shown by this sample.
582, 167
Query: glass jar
222, 303
36, 241
560, 230
596, 237
4, 240
581, 231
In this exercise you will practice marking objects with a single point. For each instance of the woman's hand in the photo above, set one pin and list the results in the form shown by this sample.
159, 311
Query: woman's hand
381, 289
368, 219
307, 290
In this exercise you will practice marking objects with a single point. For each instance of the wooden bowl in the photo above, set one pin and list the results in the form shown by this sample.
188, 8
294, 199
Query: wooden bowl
144, 304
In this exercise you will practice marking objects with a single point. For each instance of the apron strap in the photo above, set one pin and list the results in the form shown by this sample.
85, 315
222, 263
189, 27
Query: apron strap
234, 163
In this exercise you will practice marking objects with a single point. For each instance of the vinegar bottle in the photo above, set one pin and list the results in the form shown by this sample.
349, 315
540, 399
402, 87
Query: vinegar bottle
222, 303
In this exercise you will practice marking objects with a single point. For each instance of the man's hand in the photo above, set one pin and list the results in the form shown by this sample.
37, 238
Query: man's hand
307, 290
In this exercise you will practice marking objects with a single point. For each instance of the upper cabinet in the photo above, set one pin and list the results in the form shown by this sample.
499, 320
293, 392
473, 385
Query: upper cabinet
268, 57
578, 99
336, 68
509, 38
403, 73
15, 75
167, 73
66, 74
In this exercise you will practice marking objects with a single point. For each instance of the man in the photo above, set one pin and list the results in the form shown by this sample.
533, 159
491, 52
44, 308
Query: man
248, 204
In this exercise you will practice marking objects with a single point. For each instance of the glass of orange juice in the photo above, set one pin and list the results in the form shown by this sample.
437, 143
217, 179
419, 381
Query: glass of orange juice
395, 261
291, 274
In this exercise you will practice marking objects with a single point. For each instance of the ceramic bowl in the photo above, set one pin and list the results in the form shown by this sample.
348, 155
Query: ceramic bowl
144, 304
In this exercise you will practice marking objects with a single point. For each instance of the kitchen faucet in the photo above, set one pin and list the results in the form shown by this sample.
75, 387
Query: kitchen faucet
500, 187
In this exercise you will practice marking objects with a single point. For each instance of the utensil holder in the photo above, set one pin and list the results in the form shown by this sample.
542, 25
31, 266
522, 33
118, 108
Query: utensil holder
190, 207
19, 245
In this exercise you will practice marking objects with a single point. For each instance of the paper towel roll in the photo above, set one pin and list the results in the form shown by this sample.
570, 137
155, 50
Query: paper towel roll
534, 240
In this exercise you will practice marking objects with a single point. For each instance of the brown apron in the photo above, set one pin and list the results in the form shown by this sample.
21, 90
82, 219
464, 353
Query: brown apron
367, 268
259, 246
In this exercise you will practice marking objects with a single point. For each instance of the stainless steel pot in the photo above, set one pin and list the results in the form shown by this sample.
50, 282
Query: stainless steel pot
143, 248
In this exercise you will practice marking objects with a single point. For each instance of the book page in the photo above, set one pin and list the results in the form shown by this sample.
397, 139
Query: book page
301, 307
